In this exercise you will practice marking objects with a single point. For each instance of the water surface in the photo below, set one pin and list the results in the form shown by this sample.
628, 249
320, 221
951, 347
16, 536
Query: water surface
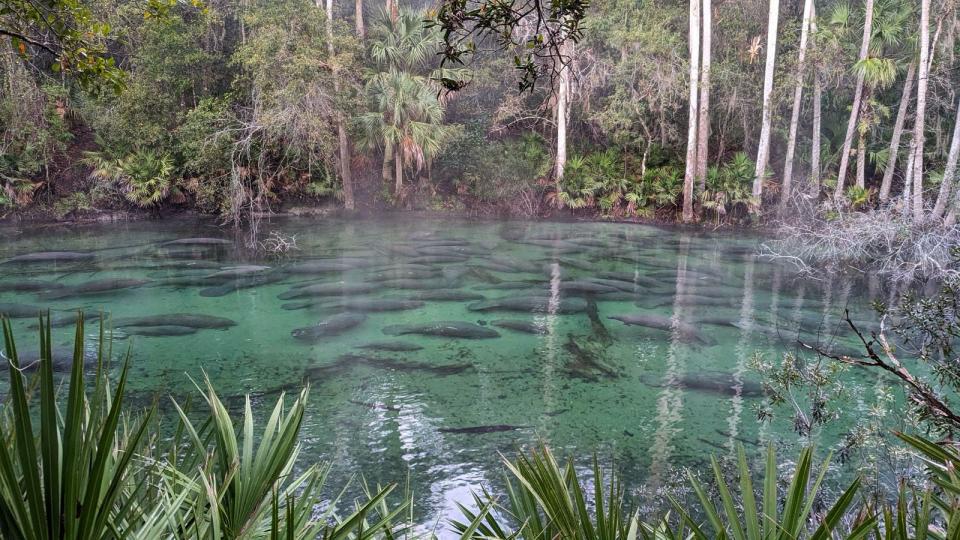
536, 355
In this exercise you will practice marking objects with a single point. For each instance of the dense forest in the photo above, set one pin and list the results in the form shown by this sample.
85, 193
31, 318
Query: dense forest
715, 111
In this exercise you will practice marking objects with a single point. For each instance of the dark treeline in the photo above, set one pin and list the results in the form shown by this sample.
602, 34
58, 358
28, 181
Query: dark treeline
713, 110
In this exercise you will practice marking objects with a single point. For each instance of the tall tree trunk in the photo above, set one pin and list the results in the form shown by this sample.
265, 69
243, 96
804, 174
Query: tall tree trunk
562, 97
398, 172
861, 160
703, 122
690, 171
387, 162
763, 149
918, 125
344, 144
857, 99
946, 186
908, 181
797, 101
358, 20
393, 8
815, 136
887, 181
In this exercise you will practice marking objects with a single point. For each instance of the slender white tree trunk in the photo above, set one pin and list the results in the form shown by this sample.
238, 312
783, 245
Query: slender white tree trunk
563, 91
857, 99
358, 20
817, 118
950, 171
693, 112
861, 160
908, 181
763, 150
797, 101
703, 122
887, 181
918, 125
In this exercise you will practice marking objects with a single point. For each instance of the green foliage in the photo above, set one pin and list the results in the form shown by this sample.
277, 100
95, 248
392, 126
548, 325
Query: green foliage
143, 177
493, 170
54, 459
729, 187
88, 453
69, 32
547, 500
859, 197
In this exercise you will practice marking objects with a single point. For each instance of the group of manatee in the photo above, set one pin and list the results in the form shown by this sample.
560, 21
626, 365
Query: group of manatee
348, 288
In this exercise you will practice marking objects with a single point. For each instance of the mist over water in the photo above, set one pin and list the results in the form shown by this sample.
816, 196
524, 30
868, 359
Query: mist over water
431, 346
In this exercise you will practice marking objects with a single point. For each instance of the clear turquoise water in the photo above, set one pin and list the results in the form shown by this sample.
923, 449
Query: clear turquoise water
439, 416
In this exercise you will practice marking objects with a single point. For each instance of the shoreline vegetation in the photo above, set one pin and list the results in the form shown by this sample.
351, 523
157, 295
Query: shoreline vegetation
218, 477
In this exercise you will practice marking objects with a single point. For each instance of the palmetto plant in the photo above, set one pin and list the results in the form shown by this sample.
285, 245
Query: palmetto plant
144, 177
729, 186
91, 471
547, 500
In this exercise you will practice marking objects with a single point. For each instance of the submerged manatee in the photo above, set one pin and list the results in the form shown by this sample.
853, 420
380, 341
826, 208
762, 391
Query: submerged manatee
448, 295
20, 311
451, 329
244, 282
329, 327
415, 284
200, 241
95, 287
528, 327
390, 346
376, 305
191, 320
51, 256
714, 382
480, 430
328, 289
29, 286
686, 331
531, 304
160, 331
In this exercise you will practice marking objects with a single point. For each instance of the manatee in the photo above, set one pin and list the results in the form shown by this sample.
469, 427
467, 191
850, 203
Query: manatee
715, 382
201, 241
238, 271
375, 305
190, 281
686, 331
451, 329
176, 319
390, 346
531, 304
20, 311
448, 295
701, 301
510, 286
70, 318
96, 287
414, 273
330, 326
582, 286
339, 288
62, 357
438, 259
51, 256
245, 282
480, 430
29, 286
415, 284
631, 279
452, 251
318, 267
160, 331
528, 327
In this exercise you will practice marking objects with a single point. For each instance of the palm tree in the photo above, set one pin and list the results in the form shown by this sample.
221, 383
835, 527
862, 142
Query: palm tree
405, 115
